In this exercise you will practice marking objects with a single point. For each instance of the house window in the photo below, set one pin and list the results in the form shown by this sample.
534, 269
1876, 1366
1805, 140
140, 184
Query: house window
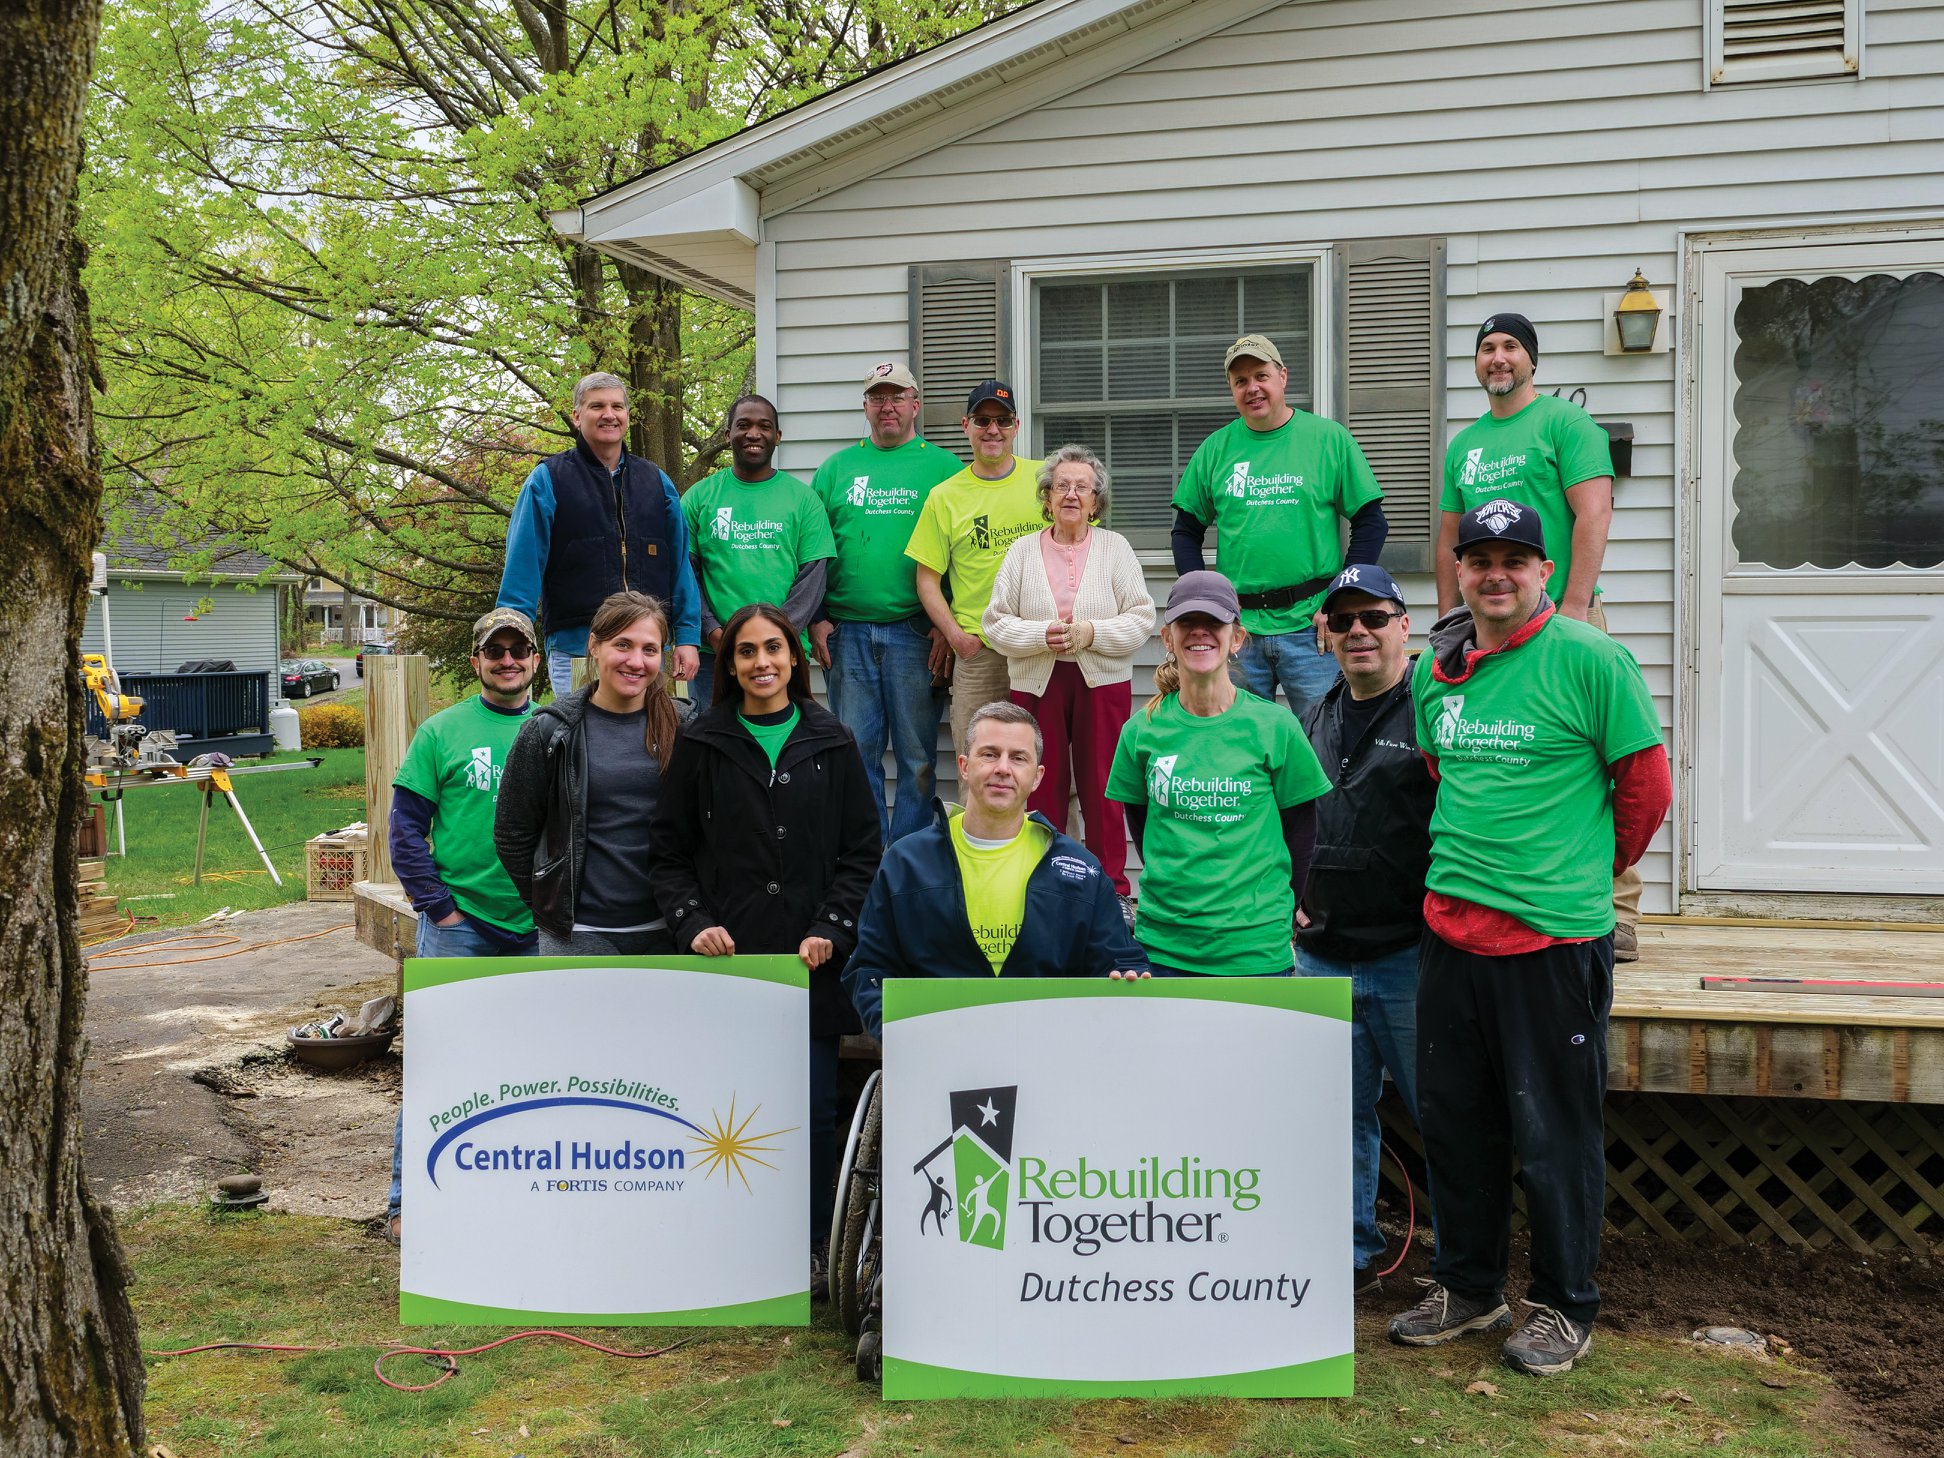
1838, 433
1131, 366
1752, 41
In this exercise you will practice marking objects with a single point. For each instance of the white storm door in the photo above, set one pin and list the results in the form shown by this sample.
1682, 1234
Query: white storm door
1818, 763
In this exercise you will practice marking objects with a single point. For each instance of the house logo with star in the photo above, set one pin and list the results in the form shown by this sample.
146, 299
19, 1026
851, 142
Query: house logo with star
968, 1176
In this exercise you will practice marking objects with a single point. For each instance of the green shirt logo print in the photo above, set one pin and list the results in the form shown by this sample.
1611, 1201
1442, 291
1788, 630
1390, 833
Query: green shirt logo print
860, 491
1162, 777
1238, 481
479, 772
981, 533
724, 522
1469, 475
1450, 720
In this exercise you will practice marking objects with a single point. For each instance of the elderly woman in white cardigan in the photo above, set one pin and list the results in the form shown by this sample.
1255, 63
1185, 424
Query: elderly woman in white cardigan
1069, 611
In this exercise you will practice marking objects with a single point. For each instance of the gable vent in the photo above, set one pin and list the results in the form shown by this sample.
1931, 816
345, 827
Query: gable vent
1782, 40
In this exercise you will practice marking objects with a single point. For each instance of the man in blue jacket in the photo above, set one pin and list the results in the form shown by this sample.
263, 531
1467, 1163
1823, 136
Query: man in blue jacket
594, 520
989, 891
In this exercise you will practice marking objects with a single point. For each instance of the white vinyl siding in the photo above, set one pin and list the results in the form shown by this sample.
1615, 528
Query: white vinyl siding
1555, 148
157, 625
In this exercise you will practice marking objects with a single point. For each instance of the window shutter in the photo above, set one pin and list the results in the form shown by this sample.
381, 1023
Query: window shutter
1392, 313
959, 336
1782, 40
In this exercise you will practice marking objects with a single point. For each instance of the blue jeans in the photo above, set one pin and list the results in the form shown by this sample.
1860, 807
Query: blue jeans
1383, 1035
880, 686
444, 941
702, 686
1289, 659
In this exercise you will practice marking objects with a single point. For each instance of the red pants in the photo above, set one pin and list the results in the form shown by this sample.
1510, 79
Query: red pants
1082, 728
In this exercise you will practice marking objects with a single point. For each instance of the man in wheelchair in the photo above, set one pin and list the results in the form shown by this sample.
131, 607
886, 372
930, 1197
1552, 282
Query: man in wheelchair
989, 891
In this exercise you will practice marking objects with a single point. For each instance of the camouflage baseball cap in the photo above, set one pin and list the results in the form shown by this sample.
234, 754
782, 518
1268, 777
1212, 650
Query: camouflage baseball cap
499, 618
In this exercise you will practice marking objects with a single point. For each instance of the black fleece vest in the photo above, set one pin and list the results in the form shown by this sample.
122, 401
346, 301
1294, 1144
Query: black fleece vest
605, 540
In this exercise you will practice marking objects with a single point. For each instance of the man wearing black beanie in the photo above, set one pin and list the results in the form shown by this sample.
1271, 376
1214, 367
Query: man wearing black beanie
1550, 453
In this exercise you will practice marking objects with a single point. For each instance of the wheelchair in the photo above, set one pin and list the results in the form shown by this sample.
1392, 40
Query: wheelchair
856, 1256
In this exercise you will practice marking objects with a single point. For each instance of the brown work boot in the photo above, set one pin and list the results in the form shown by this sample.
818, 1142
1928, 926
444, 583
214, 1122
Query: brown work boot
1626, 943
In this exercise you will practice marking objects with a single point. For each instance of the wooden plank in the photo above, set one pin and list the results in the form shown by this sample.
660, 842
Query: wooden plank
398, 698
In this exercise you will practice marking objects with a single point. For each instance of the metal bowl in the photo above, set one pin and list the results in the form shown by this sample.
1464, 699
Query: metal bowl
336, 1054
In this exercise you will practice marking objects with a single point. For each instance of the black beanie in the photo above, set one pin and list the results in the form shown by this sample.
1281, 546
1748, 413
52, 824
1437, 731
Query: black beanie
1516, 325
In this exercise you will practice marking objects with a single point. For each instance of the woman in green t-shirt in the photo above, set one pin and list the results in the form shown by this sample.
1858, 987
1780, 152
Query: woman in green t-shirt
1220, 789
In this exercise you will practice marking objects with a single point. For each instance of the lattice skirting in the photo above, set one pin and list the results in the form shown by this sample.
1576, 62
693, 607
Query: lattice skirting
1806, 1172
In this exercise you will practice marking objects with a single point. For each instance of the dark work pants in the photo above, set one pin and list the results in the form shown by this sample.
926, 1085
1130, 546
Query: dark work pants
1512, 1060
824, 1152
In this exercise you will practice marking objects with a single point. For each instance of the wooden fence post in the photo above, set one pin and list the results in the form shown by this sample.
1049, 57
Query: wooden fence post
398, 698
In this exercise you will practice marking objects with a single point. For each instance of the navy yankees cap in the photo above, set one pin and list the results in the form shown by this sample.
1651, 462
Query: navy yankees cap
1365, 577
1501, 520
990, 390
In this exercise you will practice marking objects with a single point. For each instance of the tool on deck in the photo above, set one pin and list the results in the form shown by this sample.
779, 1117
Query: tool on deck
1829, 986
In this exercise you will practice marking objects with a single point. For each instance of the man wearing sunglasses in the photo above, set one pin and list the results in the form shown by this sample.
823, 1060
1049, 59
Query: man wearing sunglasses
1363, 911
443, 798
964, 530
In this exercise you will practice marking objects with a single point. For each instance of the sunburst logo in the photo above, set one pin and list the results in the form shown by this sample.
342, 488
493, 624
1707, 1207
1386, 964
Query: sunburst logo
727, 1146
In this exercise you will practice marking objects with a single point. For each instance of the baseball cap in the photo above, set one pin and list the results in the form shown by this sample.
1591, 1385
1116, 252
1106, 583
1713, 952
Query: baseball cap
1365, 577
991, 390
1203, 592
1501, 520
1516, 325
499, 618
889, 373
1254, 346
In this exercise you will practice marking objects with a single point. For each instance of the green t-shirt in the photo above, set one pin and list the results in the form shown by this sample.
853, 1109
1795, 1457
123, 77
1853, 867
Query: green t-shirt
995, 878
872, 498
771, 736
1524, 819
1215, 893
1273, 497
1531, 458
752, 538
455, 760
965, 528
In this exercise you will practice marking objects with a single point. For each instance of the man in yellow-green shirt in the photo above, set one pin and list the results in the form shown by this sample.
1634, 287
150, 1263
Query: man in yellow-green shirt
963, 532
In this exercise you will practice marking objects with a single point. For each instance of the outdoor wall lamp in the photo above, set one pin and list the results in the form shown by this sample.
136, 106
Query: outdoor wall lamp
1637, 316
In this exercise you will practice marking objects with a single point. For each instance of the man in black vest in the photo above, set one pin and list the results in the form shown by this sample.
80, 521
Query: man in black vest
592, 521
1363, 911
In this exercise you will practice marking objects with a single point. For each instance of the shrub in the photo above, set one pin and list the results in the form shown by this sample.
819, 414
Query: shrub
331, 726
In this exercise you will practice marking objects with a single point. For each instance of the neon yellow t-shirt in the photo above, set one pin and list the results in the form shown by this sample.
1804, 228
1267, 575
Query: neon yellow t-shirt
995, 877
965, 527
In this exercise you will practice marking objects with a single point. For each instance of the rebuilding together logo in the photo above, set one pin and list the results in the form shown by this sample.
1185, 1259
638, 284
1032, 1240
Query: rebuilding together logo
994, 1198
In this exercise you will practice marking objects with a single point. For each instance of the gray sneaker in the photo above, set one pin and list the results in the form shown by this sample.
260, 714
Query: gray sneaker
1547, 1342
1443, 1314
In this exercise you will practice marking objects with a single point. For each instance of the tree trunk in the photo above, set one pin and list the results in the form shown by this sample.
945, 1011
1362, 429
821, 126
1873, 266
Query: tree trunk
70, 1371
655, 371
348, 612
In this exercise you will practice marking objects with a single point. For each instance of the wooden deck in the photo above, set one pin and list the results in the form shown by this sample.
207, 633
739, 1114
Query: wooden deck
1668, 1035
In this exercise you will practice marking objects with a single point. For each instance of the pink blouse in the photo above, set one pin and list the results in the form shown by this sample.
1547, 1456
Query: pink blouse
1064, 568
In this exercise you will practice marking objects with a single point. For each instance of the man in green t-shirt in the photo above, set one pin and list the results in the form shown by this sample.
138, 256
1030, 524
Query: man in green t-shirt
756, 534
1551, 454
440, 834
1273, 483
1551, 778
963, 532
878, 648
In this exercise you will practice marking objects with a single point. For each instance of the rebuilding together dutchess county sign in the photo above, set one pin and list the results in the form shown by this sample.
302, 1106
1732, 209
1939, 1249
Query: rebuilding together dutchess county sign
1097, 1189
606, 1141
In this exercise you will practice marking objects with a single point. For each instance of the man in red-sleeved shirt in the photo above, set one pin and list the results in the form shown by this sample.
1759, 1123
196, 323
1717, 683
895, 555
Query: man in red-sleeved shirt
1551, 779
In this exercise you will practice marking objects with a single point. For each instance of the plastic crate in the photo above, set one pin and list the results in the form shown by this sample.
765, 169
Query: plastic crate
335, 862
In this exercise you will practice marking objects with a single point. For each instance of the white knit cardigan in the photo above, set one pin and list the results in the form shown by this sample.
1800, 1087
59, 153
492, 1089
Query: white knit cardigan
1112, 595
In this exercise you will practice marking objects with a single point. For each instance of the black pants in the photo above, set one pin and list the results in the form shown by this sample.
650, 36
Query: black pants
1512, 1060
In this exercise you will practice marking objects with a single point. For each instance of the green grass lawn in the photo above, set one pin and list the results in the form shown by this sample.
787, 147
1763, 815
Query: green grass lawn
743, 1393
287, 809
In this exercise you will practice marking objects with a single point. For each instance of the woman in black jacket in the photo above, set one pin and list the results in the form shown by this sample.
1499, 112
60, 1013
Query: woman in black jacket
571, 826
765, 839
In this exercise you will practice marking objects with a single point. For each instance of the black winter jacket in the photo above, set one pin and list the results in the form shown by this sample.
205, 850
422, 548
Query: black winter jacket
771, 856
1373, 831
539, 826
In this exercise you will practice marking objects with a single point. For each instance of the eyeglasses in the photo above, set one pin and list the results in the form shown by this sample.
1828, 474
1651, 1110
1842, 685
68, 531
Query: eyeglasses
1375, 619
494, 652
1073, 491
985, 422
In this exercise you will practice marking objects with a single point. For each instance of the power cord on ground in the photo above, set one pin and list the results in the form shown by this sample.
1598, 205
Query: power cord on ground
445, 1358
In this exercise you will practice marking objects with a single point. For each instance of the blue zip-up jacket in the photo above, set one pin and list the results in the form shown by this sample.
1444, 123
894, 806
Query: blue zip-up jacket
914, 922
529, 538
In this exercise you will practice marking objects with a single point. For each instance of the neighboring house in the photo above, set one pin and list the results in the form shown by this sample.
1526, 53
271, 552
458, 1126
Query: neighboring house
160, 617
373, 622
1091, 199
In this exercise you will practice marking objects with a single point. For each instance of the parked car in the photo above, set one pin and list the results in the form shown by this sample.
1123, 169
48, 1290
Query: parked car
373, 648
303, 677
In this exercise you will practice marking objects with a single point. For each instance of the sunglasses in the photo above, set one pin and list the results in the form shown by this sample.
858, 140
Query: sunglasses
1375, 619
1002, 421
494, 652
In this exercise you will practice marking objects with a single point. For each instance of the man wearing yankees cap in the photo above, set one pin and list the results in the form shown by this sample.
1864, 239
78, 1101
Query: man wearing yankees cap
1551, 454
1551, 778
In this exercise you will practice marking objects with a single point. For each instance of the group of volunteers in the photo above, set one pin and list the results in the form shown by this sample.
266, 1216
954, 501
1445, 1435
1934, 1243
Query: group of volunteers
1452, 831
